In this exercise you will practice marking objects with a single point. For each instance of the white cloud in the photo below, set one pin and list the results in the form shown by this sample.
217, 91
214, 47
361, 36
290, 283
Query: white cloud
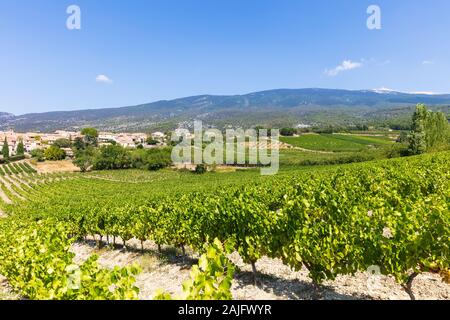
101, 78
427, 62
424, 92
387, 90
346, 65
384, 90
385, 63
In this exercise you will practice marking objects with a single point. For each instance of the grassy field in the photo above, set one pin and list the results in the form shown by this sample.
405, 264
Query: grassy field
335, 147
364, 140
336, 142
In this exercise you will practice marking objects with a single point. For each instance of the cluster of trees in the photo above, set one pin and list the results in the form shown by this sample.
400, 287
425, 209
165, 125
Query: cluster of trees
152, 142
430, 131
284, 131
289, 131
88, 155
112, 157
38, 155
52, 153
5, 149
20, 151
56, 151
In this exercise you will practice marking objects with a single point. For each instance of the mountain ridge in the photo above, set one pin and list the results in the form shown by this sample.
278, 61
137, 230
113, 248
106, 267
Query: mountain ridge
215, 109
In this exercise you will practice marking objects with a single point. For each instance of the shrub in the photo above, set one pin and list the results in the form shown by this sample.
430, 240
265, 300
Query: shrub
38, 155
16, 157
62, 143
287, 132
396, 150
158, 158
138, 158
112, 157
152, 142
201, 168
54, 153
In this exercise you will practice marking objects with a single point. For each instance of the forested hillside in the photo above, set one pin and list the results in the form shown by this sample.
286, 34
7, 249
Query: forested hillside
275, 108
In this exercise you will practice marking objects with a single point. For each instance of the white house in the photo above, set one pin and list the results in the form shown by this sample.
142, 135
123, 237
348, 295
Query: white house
158, 135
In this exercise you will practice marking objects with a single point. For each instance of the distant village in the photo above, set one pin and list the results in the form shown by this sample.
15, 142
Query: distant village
34, 140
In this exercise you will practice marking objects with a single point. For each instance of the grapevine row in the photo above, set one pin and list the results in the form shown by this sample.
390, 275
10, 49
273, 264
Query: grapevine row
394, 215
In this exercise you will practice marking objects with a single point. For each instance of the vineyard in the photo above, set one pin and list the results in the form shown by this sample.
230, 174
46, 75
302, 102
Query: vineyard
19, 180
333, 221
336, 142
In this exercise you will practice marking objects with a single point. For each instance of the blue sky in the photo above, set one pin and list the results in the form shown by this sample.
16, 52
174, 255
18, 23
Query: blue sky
138, 51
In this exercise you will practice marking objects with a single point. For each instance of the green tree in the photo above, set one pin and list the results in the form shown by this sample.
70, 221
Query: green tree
62, 143
159, 158
138, 158
5, 149
403, 137
54, 153
37, 154
151, 141
78, 144
84, 158
417, 140
437, 129
20, 148
287, 132
430, 131
258, 129
90, 136
112, 157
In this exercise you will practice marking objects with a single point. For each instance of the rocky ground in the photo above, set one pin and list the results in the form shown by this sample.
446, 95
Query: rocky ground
276, 281
6, 292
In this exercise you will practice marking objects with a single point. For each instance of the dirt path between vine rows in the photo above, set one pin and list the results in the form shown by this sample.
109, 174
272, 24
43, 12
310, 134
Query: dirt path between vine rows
7, 183
168, 270
4, 197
